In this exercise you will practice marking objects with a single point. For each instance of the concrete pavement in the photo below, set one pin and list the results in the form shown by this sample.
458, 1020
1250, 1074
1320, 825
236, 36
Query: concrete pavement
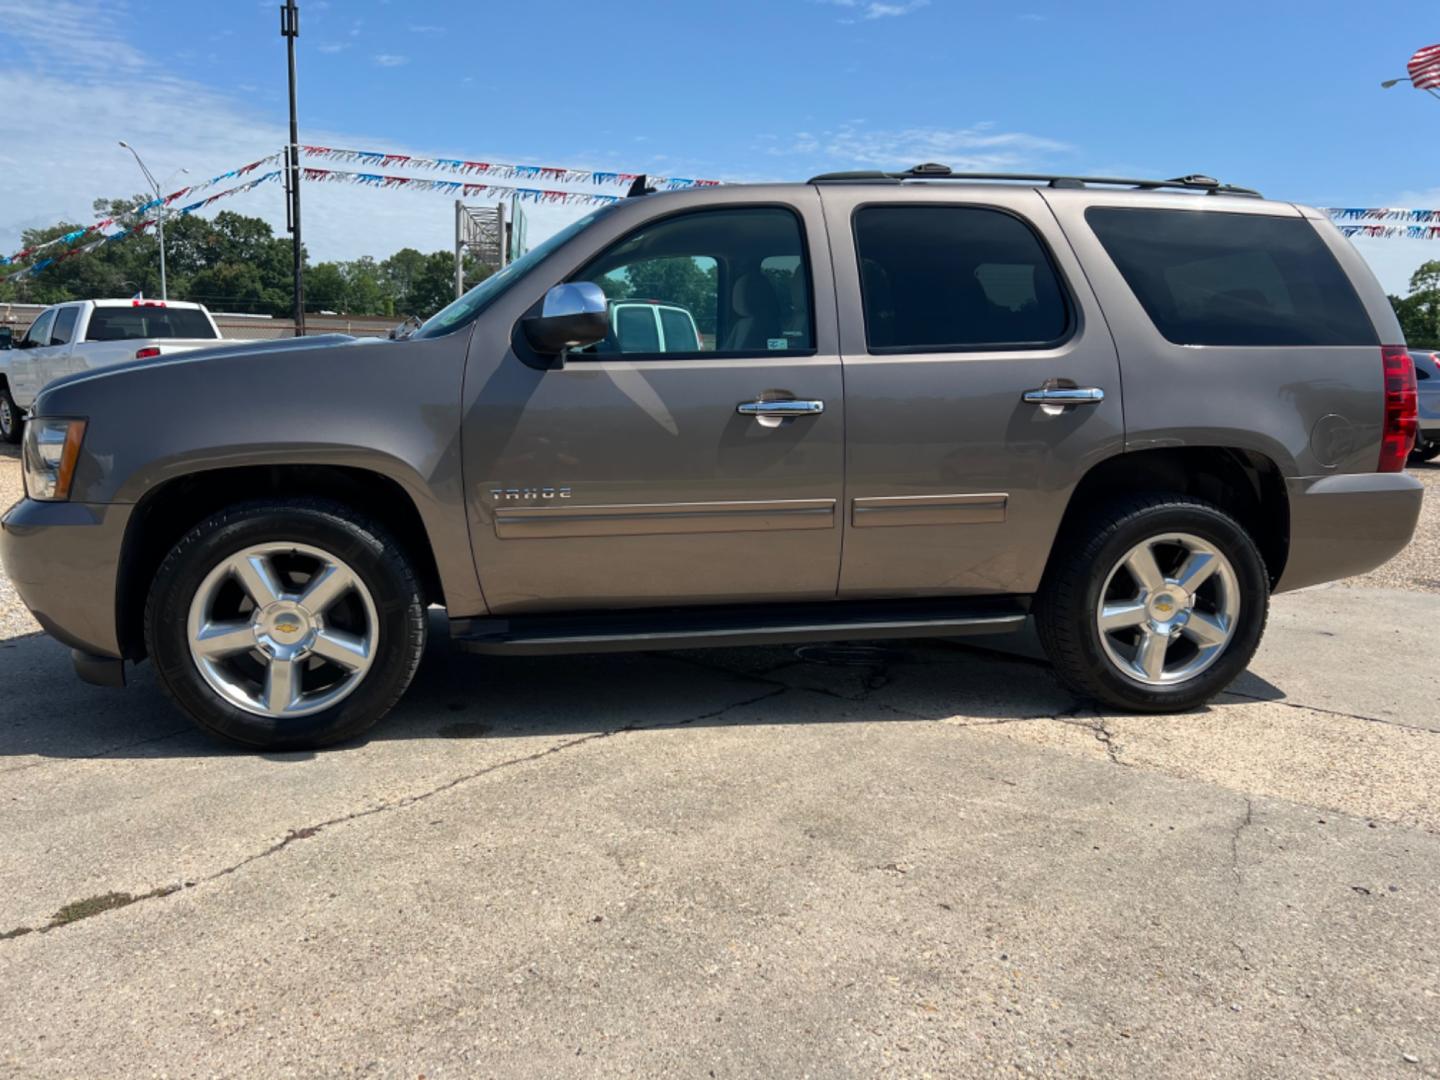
740, 862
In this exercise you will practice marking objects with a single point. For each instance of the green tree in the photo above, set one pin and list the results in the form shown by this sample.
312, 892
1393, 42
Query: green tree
234, 262
1419, 312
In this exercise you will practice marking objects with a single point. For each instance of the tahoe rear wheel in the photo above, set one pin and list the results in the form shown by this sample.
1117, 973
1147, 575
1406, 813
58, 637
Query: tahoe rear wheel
11, 418
286, 624
1154, 604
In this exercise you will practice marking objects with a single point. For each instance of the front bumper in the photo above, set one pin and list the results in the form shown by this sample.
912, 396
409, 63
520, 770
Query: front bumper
1341, 526
63, 559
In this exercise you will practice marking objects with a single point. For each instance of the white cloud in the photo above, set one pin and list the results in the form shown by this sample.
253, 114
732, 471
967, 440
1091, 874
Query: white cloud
391, 60
866, 10
979, 148
334, 46
66, 108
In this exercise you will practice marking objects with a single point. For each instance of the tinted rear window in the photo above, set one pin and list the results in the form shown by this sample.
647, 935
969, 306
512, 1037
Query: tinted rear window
679, 331
941, 278
131, 324
635, 329
1233, 279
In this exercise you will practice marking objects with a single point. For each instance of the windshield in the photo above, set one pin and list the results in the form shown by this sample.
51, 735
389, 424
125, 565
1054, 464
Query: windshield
497, 284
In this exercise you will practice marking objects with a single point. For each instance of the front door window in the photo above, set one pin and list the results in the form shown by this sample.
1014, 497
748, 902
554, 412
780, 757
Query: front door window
731, 282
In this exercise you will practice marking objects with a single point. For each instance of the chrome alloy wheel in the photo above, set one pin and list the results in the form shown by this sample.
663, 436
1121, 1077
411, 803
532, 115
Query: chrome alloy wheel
283, 630
9, 417
1168, 609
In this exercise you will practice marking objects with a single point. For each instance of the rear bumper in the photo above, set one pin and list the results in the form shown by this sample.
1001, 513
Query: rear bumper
1341, 526
62, 559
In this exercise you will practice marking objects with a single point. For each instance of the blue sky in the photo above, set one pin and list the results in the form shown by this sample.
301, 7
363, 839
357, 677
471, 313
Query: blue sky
1284, 97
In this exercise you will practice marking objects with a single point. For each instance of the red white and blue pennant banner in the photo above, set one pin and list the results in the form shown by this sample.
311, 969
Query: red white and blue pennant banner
462, 188
544, 173
144, 207
1381, 213
1386, 223
133, 230
1392, 232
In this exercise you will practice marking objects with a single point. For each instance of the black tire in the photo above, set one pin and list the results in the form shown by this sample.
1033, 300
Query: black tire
1067, 604
12, 425
1426, 451
368, 549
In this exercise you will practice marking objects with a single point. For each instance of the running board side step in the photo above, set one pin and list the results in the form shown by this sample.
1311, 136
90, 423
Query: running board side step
695, 628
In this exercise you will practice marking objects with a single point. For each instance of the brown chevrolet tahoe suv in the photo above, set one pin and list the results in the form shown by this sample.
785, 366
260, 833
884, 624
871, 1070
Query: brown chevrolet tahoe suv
916, 404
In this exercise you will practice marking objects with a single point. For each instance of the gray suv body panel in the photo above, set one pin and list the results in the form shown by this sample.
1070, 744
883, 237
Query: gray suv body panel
671, 495
954, 484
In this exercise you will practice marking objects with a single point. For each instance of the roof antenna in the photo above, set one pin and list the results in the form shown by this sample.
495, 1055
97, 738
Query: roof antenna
638, 188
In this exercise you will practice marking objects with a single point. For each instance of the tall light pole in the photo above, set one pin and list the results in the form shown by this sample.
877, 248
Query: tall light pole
290, 30
160, 218
1388, 83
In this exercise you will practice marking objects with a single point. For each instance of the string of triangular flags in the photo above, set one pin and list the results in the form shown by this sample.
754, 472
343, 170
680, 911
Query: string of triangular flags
143, 207
545, 173
132, 230
465, 189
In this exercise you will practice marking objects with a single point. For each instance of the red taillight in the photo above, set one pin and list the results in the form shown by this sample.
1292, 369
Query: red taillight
1402, 408
147, 352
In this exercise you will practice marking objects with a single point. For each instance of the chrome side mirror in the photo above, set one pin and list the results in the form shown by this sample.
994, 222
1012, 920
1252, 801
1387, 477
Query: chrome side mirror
574, 315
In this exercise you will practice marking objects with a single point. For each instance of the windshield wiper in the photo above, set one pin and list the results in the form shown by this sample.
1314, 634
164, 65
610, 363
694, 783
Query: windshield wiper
406, 328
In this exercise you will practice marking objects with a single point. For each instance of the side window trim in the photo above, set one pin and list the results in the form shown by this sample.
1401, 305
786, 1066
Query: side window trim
723, 284
1067, 293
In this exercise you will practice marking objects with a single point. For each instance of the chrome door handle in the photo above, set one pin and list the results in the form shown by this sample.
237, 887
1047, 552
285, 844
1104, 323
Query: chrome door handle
1064, 395
780, 409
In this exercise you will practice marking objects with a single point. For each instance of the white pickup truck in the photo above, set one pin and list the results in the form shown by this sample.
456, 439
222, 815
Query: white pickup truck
86, 334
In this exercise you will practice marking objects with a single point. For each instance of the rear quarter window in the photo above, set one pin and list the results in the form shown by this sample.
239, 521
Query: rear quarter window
1209, 278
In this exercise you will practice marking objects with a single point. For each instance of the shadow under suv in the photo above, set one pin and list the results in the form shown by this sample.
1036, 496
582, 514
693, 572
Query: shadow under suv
917, 404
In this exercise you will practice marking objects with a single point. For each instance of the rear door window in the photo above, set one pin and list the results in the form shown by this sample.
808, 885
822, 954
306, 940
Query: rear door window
1208, 278
679, 331
64, 325
941, 278
135, 323
635, 329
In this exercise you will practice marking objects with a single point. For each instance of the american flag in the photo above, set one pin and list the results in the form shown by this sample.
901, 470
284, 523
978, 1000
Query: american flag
1424, 68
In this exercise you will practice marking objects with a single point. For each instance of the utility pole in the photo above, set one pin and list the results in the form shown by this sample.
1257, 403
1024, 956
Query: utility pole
290, 30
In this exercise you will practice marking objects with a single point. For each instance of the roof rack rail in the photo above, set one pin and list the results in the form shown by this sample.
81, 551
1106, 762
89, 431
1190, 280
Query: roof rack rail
933, 171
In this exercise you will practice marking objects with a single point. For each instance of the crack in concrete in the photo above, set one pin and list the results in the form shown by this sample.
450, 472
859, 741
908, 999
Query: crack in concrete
1103, 735
1236, 873
308, 831
1329, 712
1243, 824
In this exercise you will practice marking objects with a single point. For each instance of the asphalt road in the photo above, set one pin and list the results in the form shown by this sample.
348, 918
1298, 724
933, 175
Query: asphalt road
741, 862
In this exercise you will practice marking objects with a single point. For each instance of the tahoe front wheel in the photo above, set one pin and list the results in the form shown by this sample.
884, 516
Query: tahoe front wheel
1155, 604
286, 624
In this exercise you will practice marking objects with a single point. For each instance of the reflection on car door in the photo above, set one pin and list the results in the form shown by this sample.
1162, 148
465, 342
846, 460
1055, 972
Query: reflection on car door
60, 357
26, 366
633, 479
955, 306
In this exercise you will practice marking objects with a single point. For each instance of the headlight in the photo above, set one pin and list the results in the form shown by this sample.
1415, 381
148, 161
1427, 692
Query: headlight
51, 449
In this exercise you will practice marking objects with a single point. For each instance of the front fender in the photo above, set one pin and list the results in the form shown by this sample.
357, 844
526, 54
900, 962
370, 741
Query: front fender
391, 408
